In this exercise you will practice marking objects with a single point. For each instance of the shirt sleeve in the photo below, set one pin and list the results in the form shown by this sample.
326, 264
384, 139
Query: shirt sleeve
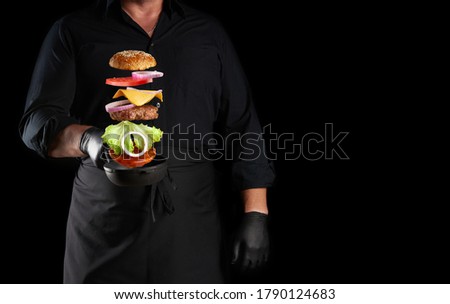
250, 166
51, 92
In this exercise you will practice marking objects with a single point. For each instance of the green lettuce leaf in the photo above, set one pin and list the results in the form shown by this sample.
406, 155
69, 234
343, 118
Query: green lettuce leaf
114, 133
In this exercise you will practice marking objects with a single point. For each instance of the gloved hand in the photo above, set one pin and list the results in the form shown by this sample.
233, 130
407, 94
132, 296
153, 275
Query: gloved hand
251, 242
91, 144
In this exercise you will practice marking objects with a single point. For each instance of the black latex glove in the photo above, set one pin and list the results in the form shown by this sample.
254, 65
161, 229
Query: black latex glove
92, 144
251, 242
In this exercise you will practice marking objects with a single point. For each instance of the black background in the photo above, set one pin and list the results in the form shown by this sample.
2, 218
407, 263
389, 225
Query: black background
332, 221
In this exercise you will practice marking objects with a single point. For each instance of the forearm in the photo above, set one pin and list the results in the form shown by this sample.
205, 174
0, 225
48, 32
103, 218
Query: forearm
255, 200
67, 142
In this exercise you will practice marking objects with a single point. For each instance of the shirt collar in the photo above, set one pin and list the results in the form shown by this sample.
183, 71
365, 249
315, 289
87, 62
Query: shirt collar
170, 6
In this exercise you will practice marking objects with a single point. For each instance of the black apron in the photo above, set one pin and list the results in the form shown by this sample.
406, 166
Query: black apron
130, 234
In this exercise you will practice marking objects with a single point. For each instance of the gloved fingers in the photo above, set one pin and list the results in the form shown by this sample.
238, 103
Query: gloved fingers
252, 266
246, 265
241, 257
250, 251
105, 156
251, 260
264, 255
236, 249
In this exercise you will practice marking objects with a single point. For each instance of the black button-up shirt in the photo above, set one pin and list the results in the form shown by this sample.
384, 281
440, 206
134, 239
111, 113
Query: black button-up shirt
207, 101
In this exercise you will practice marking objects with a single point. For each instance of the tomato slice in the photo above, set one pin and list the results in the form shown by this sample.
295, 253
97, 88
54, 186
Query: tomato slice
126, 81
134, 162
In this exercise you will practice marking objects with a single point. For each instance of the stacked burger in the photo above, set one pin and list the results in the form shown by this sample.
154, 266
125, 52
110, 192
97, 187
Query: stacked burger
131, 144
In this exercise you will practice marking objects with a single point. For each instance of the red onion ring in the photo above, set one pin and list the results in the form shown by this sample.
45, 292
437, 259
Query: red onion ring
140, 75
117, 106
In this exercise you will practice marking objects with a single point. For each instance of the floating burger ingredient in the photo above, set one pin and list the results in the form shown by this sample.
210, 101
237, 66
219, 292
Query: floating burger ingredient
135, 106
130, 144
132, 60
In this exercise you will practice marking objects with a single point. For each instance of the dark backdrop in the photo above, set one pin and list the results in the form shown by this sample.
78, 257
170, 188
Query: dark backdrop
332, 221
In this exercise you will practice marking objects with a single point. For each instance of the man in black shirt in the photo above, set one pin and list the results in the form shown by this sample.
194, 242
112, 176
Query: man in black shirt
112, 236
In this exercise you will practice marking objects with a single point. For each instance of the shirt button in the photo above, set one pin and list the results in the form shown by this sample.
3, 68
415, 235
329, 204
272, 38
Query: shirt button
152, 44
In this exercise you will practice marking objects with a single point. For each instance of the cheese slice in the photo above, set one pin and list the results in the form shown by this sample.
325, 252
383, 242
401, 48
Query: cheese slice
139, 97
